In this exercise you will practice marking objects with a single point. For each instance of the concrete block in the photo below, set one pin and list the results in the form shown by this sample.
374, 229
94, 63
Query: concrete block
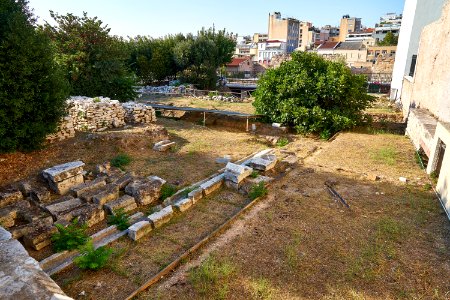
126, 202
10, 198
138, 230
196, 195
64, 171
161, 217
88, 186
213, 184
183, 205
110, 193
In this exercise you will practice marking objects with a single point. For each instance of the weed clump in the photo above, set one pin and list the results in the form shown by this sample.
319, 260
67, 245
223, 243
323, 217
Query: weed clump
121, 161
167, 190
70, 237
120, 218
257, 190
91, 258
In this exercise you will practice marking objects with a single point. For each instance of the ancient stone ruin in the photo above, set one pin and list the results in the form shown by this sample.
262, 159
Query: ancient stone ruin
100, 114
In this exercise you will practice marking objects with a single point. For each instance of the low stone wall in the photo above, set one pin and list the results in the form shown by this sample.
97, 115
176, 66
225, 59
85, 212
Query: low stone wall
99, 114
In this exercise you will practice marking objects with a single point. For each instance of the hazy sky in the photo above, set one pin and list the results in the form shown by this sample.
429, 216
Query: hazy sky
158, 18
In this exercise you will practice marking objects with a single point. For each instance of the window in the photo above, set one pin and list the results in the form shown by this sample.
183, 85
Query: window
412, 68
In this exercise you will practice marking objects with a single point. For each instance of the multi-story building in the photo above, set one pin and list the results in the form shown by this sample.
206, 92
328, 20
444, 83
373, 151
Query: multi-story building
308, 35
284, 29
328, 32
423, 60
349, 25
353, 53
260, 37
271, 48
363, 36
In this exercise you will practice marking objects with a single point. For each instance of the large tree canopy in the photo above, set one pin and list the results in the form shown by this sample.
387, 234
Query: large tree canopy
94, 60
32, 87
312, 94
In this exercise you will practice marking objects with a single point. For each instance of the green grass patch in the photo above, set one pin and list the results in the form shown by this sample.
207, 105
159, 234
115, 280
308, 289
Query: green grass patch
283, 141
211, 278
70, 237
254, 174
167, 190
121, 161
385, 155
257, 190
120, 218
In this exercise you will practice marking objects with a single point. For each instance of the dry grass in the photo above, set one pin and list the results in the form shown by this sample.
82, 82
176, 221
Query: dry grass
392, 243
245, 107
192, 159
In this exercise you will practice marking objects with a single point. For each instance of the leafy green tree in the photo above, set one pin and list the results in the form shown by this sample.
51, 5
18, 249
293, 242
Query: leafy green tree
312, 94
389, 40
32, 87
94, 60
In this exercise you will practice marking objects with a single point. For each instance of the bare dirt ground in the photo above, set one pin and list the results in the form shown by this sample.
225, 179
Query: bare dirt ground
391, 244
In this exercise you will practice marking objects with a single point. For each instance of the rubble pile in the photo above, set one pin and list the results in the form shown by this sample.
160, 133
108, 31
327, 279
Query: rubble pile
165, 89
96, 114
65, 130
138, 113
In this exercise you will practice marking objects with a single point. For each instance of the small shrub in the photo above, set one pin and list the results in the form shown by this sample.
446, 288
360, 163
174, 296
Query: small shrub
254, 174
187, 190
92, 259
96, 100
167, 191
325, 135
257, 190
70, 237
120, 218
120, 161
283, 141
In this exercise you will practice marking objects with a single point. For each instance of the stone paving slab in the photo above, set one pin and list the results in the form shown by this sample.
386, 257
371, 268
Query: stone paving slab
67, 204
64, 171
213, 184
88, 186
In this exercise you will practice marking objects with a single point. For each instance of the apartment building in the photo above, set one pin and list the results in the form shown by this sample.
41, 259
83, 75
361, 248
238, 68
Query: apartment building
349, 25
284, 29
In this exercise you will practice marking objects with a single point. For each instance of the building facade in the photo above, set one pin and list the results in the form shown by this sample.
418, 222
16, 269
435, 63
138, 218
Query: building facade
268, 50
349, 25
284, 29
425, 95
416, 15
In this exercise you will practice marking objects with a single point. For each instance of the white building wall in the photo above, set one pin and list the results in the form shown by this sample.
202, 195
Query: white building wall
416, 15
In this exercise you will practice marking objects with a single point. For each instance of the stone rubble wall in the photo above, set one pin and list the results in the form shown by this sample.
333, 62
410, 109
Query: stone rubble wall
99, 114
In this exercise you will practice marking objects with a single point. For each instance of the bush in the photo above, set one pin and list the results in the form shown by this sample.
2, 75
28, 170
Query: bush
167, 190
120, 218
32, 87
92, 259
70, 237
121, 161
283, 141
257, 190
312, 94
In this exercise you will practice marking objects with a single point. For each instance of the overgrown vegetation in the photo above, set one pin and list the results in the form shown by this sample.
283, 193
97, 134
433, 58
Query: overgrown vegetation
313, 95
32, 88
389, 40
70, 237
211, 277
91, 258
257, 190
254, 174
121, 161
120, 218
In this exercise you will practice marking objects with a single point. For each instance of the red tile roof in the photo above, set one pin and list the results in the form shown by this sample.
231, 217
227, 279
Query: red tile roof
328, 45
237, 61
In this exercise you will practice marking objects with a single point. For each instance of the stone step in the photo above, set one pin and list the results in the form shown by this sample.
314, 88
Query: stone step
161, 217
183, 205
